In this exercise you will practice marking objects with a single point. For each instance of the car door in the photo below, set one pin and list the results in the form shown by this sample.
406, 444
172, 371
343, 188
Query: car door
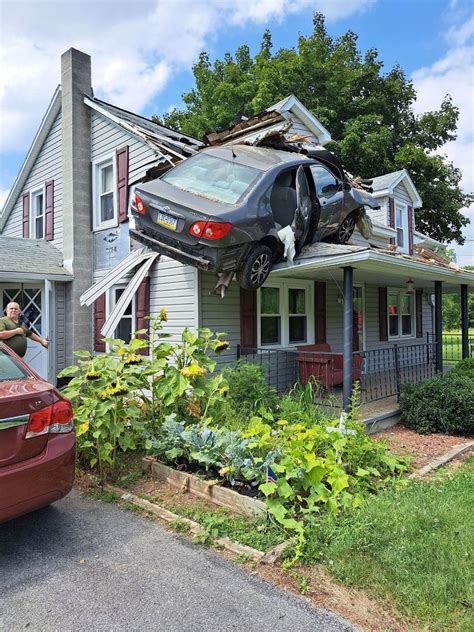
329, 191
307, 209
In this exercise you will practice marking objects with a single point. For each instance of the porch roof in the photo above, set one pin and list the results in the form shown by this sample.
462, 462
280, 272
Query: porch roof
22, 259
380, 267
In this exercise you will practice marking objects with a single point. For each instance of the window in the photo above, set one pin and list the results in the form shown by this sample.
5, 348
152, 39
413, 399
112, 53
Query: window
10, 370
37, 215
126, 325
401, 225
401, 314
285, 313
105, 213
326, 184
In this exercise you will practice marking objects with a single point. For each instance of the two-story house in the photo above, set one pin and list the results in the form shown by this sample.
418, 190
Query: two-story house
67, 257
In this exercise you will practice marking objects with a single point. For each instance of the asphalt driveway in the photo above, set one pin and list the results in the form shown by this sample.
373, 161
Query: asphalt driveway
85, 565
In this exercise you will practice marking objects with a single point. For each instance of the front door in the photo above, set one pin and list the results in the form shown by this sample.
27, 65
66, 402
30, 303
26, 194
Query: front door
31, 298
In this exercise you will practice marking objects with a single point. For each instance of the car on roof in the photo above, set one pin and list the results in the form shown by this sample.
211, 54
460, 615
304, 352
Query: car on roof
37, 439
223, 209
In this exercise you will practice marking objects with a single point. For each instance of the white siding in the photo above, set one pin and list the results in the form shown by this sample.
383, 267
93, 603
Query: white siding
380, 215
221, 314
400, 193
299, 127
48, 166
107, 137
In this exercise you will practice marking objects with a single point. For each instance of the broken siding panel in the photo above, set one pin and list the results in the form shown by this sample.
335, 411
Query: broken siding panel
107, 137
60, 332
358, 240
48, 166
379, 215
173, 286
298, 127
221, 314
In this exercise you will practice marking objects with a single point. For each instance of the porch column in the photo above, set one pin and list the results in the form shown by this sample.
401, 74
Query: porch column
348, 324
464, 322
438, 325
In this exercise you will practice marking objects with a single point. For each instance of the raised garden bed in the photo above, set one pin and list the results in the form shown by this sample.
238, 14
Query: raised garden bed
210, 490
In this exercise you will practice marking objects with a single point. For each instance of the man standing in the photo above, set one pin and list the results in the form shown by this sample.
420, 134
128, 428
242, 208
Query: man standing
14, 334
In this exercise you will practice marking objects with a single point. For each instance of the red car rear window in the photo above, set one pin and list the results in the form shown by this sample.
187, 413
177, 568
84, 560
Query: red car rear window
9, 369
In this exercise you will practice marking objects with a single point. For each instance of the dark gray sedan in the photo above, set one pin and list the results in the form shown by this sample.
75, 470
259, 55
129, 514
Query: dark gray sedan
221, 210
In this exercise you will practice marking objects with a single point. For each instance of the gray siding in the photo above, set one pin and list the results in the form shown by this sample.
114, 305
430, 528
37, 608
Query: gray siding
107, 137
60, 327
221, 314
380, 215
400, 193
48, 166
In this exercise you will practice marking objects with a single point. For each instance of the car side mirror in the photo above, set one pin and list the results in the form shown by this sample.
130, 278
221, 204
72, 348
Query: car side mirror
329, 189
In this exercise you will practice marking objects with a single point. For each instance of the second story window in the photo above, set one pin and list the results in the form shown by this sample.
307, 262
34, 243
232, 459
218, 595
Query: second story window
37, 215
401, 226
105, 215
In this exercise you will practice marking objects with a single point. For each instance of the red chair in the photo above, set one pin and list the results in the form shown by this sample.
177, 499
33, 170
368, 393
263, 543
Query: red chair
326, 367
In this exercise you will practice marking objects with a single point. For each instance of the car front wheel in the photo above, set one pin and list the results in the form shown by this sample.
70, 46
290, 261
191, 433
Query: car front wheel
254, 270
345, 230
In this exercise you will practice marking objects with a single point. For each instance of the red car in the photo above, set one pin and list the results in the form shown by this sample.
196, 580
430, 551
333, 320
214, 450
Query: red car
37, 439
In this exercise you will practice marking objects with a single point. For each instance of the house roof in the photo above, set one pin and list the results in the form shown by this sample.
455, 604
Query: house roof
294, 105
385, 185
31, 258
48, 119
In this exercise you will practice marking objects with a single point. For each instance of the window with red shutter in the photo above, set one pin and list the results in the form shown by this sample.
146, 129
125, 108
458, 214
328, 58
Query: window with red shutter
248, 320
49, 210
142, 310
122, 183
383, 305
26, 215
99, 320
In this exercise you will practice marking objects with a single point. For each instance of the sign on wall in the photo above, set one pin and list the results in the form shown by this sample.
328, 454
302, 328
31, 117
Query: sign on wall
110, 246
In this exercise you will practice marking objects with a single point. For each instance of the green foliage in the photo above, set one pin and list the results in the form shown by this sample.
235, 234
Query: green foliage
116, 395
412, 545
442, 404
368, 112
464, 367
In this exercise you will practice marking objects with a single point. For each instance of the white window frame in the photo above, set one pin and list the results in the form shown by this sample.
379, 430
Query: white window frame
110, 303
403, 208
399, 291
97, 165
33, 197
284, 286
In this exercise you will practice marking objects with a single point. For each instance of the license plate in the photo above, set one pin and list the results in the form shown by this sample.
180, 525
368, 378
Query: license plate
166, 220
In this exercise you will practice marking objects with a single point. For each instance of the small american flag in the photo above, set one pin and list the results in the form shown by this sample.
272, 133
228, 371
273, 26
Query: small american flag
271, 476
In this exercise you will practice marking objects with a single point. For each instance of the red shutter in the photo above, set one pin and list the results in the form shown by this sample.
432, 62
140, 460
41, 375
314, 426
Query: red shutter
248, 321
411, 228
142, 309
383, 332
49, 211
99, 320
319, 312
419, 313
26, 215
122, 183
391, 217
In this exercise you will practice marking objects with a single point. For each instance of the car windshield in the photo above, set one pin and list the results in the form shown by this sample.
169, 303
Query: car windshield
214, 178
9, 369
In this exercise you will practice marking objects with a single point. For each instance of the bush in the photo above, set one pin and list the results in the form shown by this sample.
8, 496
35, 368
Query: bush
443, 404
465, 367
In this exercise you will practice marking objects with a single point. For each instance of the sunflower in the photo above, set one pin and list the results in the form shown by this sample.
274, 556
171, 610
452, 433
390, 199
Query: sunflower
221, 346
193, 370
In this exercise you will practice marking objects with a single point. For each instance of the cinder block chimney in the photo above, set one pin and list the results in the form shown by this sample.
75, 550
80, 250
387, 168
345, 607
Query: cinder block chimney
76, 141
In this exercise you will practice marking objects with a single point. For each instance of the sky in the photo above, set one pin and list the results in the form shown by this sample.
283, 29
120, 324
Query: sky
143, 51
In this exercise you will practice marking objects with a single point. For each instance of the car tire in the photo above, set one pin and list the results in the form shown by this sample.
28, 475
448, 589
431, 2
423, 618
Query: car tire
255, 268
345, 229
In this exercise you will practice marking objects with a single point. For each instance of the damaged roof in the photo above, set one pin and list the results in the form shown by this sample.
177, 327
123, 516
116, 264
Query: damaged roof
31, 257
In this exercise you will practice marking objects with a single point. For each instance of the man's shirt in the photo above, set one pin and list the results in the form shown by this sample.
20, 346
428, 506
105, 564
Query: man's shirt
18, 342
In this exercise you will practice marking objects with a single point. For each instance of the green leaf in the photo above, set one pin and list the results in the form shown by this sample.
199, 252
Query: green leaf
277, 509
268, 488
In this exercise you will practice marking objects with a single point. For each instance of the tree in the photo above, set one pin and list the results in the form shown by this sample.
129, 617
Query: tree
368, 112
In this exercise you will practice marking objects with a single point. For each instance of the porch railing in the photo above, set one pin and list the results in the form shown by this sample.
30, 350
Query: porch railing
452, 346
380, 372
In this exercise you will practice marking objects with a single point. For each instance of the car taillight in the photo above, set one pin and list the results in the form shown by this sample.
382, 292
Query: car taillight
56, 418
210, 230
139, 205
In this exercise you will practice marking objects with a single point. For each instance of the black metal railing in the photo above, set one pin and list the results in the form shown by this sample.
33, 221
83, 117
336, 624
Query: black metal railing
381, 373
452, 346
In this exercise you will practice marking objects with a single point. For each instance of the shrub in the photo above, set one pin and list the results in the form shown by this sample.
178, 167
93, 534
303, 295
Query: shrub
465, 367
442, 404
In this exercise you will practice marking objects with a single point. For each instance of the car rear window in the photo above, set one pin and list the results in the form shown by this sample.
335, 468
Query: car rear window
213, 178
9, 369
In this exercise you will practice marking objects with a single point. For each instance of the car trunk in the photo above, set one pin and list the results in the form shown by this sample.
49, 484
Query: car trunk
17, 400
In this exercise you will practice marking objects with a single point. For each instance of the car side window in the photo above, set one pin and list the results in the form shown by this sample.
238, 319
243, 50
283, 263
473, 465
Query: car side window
326, 184
264, 206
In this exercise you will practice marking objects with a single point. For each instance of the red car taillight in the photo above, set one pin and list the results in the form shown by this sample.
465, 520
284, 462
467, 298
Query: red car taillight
210, 230
139, 205
56, 418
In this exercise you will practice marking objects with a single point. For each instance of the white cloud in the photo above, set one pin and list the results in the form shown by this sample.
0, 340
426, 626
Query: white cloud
135, 46
3, 196
454, 75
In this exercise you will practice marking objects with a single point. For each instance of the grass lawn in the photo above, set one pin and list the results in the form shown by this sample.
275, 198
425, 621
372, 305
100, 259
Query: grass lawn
412, 546
452, 348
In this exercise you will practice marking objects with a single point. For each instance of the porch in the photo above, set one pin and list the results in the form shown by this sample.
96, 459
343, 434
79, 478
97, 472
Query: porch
396, 349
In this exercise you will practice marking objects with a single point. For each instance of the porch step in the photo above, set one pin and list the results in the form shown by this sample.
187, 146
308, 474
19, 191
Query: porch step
382, 422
